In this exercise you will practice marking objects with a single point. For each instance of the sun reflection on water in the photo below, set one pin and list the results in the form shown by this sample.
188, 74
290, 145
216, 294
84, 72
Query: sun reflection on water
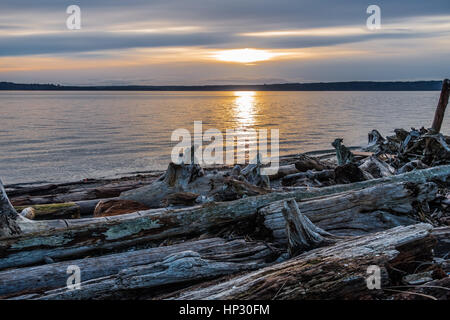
245, 107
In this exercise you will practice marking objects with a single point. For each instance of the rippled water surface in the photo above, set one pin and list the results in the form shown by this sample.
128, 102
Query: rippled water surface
65, 136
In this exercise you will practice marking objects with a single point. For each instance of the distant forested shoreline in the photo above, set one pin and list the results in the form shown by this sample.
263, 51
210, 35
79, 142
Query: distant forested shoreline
319, 86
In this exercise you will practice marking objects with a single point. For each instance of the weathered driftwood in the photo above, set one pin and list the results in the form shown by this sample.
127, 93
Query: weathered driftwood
442, 105
112, 207
178, 178
377, 168
343, 154
355, 212
301, 233
65, 210
62, 239
191, 178
8, 215
375, 141
284, 171
68, 210
37, 279
88, 189
233, 189
442, 236
291, 179
182, 267
252, 174
304, 163
336, 272
349, 173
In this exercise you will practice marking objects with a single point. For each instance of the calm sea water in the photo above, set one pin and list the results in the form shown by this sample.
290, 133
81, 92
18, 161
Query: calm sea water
66, 136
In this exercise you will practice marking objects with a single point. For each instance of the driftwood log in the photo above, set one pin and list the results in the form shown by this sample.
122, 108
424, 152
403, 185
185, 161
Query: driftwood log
355, 212
64, 239
191, 178
336, 272
43, 278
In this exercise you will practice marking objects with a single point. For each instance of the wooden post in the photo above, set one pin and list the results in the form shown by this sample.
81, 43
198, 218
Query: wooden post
440, 110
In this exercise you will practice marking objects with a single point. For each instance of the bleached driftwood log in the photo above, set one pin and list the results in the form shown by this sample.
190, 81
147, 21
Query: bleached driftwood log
355, 212
177, 268
63, 239
335, 272
377, 168
37, 279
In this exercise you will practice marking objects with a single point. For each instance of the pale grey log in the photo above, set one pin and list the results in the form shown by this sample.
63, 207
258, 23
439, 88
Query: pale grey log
355, 212
20, 281
334, 272
180, 267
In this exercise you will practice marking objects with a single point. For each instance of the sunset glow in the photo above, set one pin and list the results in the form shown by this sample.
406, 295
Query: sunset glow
244, 55
209, 42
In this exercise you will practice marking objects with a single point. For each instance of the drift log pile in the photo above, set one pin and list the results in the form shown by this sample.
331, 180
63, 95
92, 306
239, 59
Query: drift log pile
308, 232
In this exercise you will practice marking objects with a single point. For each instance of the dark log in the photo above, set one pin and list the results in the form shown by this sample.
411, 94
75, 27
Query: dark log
336, 272
348, 173
305, 163
442, 236
442, 105
291, 179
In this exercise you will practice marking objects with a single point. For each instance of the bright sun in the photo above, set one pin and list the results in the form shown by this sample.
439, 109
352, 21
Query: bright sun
243, 55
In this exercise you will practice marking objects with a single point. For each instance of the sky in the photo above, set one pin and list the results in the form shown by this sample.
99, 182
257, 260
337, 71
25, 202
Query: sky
190, 42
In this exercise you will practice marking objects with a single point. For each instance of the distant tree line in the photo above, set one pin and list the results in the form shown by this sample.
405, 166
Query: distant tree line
320, 86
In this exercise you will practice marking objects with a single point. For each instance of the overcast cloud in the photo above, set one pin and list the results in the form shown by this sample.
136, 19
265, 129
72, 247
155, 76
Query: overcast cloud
124, 41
